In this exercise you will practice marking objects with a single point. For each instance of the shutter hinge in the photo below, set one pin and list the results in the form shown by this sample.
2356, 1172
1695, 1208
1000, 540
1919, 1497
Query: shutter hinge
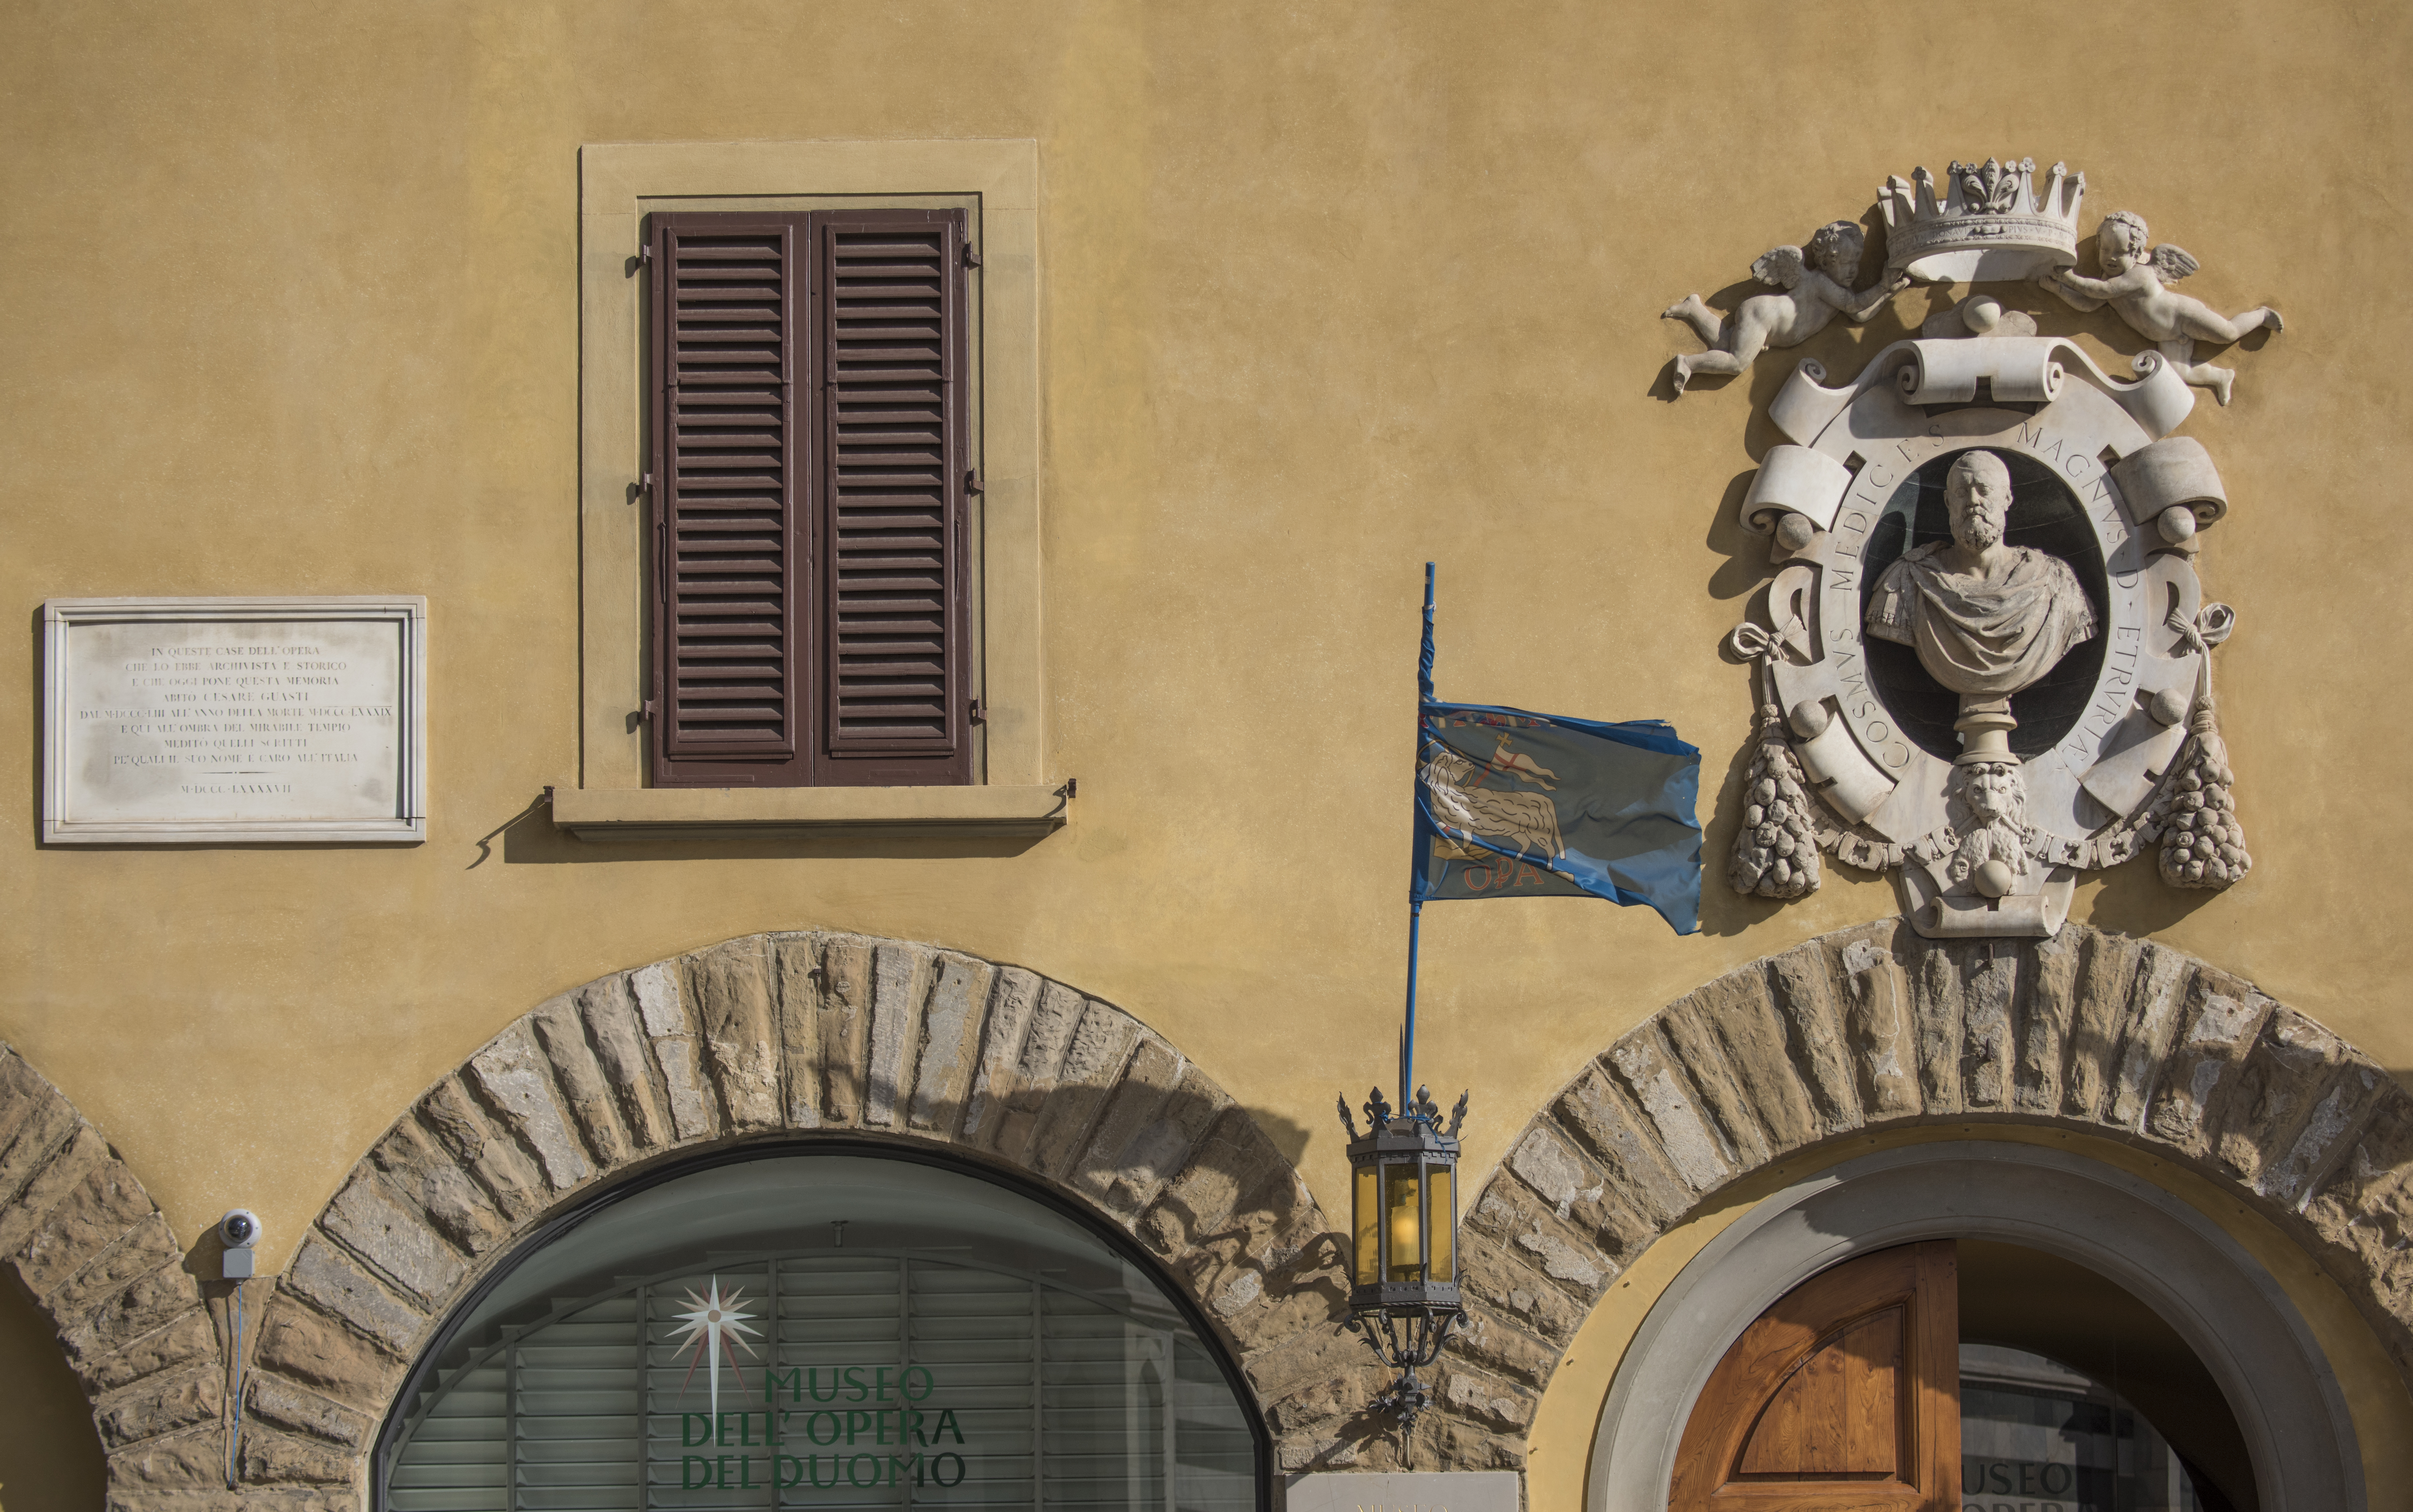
971, 481
644, 488
980, 712
646, 713
646, 256
971, 256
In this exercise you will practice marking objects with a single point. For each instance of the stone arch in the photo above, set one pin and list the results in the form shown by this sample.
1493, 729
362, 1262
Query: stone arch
2290, 1416
100, 1258
1874, 1026
778, 1036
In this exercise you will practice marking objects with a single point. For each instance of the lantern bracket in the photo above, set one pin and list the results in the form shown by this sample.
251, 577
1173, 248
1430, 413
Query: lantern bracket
1405, 1342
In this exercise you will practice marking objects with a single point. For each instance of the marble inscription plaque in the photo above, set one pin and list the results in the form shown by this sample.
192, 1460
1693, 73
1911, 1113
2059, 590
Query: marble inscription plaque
234, 719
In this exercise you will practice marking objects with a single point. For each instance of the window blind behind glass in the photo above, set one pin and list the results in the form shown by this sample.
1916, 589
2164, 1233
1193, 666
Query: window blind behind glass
1061, 1399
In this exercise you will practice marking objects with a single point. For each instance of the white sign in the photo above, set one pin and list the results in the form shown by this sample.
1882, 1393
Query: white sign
1457, 1491
228, 720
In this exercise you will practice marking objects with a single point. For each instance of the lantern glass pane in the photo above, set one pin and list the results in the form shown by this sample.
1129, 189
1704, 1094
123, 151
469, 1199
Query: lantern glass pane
1401, 1212
1442, 1221
1365, 1221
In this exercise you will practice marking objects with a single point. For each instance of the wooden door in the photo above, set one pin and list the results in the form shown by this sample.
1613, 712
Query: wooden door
1843, 1397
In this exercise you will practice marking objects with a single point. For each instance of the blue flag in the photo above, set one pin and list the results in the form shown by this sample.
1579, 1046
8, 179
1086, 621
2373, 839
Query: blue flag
1517, 804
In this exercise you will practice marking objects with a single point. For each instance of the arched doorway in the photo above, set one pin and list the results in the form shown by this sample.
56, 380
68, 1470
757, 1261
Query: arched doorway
789, 1325
1962, 1375
1874, 1036
2038, 1217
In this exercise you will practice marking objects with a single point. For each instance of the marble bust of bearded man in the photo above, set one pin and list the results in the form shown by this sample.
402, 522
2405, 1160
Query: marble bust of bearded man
1988, 620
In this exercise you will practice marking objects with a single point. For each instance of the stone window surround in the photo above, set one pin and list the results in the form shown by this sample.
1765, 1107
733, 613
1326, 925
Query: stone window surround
619, 184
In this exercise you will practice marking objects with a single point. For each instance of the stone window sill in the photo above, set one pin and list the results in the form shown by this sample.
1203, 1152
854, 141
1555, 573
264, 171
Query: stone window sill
623, 814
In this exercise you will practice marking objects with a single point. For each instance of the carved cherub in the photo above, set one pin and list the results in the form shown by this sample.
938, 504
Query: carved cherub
1817, 283
2137, 284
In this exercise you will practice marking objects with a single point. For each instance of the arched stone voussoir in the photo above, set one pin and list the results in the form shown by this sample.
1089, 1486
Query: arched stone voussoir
1876, 1027
776, 1036
94, 1251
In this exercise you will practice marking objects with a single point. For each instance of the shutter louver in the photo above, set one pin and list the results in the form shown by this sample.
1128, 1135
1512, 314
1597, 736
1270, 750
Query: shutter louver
460, 1457
893, 471
731, 505
811, 446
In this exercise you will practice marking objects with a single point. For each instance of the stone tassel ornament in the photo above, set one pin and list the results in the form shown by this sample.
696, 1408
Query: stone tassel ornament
1776, 851
2203, 845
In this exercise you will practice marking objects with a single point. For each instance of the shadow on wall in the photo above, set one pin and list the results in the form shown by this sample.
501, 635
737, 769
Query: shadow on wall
1288, 1135
2132, 899
529, 837
50, 1457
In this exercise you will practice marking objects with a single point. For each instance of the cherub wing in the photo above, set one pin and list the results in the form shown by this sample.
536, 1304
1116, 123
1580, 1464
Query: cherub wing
2173, 263
1778, 267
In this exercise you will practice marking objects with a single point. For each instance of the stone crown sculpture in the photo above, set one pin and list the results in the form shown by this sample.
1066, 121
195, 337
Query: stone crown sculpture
1989, 223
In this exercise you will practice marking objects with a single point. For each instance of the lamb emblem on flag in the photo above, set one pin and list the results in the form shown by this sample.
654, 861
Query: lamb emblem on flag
1463, 809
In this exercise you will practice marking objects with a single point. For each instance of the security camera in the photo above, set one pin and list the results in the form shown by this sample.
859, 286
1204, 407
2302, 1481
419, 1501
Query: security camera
239, 1231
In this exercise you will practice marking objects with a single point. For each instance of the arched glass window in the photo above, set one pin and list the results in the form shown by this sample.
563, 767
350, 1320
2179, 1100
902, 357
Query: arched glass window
820, 1331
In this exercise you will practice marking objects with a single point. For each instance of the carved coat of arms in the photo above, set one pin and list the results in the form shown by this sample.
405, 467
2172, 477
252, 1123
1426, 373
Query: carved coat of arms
1984, 659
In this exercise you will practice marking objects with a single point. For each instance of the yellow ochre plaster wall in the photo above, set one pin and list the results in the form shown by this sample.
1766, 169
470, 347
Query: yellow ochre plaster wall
1325, 292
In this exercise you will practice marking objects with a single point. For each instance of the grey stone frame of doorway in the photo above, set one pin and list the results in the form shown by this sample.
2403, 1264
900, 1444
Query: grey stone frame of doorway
2228, 1309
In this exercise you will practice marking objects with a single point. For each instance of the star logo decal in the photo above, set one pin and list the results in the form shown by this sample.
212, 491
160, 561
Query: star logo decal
715, 1325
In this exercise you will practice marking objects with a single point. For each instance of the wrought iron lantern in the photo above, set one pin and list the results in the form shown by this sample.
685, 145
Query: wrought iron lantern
1403, 1295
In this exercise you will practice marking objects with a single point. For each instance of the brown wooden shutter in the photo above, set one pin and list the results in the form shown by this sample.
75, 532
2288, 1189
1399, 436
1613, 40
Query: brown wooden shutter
1844, 1395
732, 658
894, 446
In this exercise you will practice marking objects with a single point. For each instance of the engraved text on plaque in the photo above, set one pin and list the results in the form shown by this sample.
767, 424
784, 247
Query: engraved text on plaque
234, 719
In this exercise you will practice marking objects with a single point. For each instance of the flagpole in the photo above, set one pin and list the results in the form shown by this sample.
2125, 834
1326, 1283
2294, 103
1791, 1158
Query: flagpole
1408, 1036
1415, 905
1403, 1308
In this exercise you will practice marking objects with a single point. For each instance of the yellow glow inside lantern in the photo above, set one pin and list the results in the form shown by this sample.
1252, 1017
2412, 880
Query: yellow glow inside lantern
1402, 1212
